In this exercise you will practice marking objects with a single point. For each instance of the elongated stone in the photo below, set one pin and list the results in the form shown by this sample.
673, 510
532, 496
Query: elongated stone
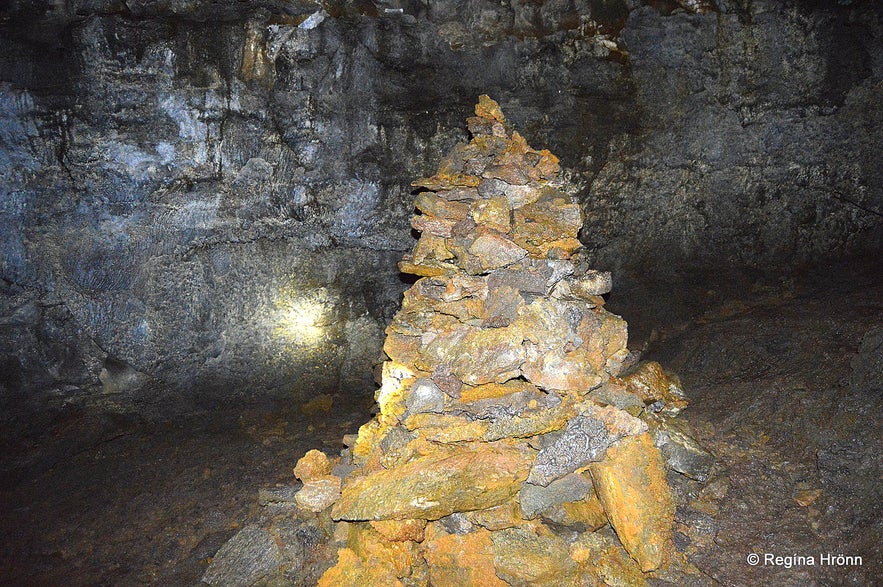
631, 485
472, 477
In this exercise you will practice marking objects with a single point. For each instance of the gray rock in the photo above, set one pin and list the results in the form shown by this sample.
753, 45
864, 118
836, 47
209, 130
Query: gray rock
245, 559
585, 440
160, 202
531, 279
682, 453
456, 523
425, 396
535, 499
278, 495
867, 365
617, 396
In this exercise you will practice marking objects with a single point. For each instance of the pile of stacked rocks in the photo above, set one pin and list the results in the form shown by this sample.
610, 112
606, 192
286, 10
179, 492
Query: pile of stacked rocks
511, 446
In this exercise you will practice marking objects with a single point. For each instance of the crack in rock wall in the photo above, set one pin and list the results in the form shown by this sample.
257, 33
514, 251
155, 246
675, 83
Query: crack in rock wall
213, 196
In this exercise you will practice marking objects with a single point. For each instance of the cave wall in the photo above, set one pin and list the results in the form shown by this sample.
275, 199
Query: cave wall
182, 181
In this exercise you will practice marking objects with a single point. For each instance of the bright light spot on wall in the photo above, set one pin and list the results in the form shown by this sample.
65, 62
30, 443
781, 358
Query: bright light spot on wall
301, 320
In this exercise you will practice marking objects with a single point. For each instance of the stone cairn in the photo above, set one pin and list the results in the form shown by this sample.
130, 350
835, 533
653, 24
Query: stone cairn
510, 448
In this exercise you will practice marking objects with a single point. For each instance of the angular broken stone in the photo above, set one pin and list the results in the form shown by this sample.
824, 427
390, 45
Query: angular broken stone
425, 396
682, 452
535, 499
631, 485
462, 559
652, 384
467, 478
400, 530
352, 570
531, 555
603, 561
249, 556
504, 442
318, 493
585, 440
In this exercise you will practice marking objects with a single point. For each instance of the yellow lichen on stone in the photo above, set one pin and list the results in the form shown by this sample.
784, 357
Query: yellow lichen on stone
467, 477
350, 571
446, 428
488, 108
651, 383
495, 390
588, 512
532, 555
630, 482
312, 465
376, 551
400, 530
462, 560
506, 515
605, 562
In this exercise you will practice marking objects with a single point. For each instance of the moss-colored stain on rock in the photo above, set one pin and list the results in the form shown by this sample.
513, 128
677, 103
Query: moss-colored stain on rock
452, 480
631, 485
475, 467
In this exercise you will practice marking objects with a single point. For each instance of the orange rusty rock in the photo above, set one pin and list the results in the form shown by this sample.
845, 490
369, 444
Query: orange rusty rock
312, 465
443, 181
431, 204
462, 560
604, 336
558, 249
446, 428
440, 227
454, 479
350, 571
495, 390
400, 530
630, 482
488, 108
515, 151
511, 174
651, 383
532, 555
376, 551
603, 562
493, 213
424, 270
486, 355
507, 515
431, 249
588, 512
401, 348
494, 250
548, 165
558, 371
546, 221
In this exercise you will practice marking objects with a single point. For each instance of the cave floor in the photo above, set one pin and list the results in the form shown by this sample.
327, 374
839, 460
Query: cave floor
94, 498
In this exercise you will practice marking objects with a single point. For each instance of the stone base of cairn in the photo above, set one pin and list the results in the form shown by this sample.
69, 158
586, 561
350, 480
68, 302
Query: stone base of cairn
511, 446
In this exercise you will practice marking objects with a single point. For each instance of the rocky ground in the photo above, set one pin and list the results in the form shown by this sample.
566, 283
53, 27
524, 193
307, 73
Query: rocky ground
785, 381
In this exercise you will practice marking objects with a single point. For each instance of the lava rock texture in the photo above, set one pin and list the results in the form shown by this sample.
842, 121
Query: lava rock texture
211, 196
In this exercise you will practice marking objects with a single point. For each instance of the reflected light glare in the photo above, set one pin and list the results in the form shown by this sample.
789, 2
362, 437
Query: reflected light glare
301, 321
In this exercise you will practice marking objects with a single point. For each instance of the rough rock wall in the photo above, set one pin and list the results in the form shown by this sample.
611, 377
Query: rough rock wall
215, 194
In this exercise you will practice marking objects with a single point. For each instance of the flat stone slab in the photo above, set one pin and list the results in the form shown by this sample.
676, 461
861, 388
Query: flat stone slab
458, 479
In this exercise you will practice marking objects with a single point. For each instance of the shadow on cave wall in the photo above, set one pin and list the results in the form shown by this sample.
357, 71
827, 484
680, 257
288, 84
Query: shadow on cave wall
179, 177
